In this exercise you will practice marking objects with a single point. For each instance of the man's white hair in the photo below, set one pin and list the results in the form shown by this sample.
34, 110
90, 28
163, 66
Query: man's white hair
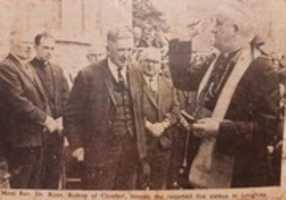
151, 53
238, 13
119, 32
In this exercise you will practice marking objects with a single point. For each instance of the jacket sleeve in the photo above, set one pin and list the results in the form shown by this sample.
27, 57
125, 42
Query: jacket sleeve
262, 89
64, 89
174, 114
13, 92
75, 111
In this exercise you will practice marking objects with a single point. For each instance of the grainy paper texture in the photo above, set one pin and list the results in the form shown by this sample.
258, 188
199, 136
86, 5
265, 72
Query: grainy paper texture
80, 28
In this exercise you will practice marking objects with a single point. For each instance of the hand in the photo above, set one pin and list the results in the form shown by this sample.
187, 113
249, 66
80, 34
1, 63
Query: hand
206, 127
184, 123
157, 129
51, 124
78, 154
146, 169
60, 126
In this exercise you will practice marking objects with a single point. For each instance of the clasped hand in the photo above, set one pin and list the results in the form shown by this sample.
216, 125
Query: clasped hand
156, 129
54, 125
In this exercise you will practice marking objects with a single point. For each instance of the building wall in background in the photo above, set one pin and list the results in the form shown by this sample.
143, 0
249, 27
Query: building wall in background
76, 24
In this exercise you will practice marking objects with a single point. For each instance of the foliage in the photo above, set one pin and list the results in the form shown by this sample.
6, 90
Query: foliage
150, 22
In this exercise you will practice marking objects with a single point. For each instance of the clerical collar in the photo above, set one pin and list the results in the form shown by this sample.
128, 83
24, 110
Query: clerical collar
42, 62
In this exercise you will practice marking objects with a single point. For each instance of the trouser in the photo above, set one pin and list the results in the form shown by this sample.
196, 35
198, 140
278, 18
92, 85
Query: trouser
177, 158
119, 174
25, 166
182, 156
250, 171
4, 174
53, 162
159, 162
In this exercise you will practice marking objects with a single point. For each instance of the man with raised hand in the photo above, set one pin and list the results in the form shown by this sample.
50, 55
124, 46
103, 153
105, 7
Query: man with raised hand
240, 92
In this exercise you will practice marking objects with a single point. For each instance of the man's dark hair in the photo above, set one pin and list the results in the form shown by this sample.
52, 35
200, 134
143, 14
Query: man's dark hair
39, 37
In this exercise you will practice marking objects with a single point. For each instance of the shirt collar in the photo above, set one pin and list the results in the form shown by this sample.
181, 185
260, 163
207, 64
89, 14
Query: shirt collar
114, 69
232, 56
154, 83
22, 62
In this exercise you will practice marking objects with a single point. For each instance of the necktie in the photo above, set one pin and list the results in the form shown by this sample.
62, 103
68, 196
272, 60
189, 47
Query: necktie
151, 84
120, 77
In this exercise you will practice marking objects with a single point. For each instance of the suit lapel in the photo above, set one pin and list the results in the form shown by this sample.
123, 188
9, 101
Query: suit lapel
20, 67
34, 80
38, 84
151, 96
161, 89
108, 83
54, 83
134, 84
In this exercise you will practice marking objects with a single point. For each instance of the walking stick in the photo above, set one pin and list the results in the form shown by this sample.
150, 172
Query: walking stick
186, 124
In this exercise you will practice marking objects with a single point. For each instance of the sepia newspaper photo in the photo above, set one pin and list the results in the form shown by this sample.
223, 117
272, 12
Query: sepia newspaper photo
142, 99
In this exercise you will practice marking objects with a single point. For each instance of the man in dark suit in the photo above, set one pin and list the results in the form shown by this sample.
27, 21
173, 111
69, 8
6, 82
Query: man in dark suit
104, 119
161, 110
27, 114
237, 110
96, 53
56, 89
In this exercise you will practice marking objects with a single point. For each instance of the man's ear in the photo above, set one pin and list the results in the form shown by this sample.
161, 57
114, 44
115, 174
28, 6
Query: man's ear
107, 50
235, 27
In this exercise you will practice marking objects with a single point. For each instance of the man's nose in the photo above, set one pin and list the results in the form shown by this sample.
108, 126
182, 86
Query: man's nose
126, 54
214, 31
28, 49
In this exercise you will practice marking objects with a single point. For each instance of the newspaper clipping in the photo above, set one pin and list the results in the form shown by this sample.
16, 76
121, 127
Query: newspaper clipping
142, 99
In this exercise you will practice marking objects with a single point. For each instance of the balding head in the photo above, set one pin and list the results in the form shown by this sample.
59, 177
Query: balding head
21, 44
234, 26
239, 15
